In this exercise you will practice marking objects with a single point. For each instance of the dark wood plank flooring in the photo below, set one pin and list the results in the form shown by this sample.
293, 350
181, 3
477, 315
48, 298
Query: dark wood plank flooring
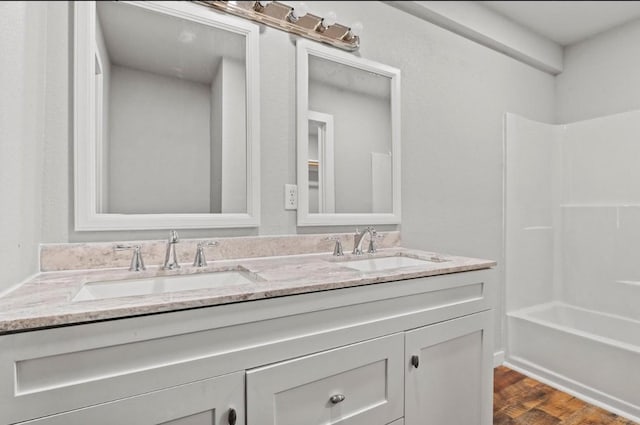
520, 400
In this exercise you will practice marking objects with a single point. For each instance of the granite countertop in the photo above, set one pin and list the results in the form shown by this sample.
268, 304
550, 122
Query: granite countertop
46, 299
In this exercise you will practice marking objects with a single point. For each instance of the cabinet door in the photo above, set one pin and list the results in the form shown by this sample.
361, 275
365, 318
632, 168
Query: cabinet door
216, 401
449, 375
359, 384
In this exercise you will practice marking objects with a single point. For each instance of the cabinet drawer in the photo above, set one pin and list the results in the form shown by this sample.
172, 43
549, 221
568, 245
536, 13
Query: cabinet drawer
203, 402
356, 384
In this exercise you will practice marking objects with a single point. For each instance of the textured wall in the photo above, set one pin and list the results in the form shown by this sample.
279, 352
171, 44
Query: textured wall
601, 75
161, 125
22, 109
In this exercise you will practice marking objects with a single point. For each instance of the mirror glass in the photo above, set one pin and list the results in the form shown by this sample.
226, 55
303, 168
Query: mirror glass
171, 126
166, 117
347, 116
359, 158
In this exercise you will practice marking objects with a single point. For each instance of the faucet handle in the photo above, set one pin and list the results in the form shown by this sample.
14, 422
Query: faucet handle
372, 246
173, 236
337, 249
137, 263
203, 244
200, 260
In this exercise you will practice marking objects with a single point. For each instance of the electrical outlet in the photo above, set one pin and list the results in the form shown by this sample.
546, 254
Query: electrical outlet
290, 197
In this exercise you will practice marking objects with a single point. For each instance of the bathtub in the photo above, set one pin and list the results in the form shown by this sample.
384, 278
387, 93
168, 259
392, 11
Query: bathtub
592, 355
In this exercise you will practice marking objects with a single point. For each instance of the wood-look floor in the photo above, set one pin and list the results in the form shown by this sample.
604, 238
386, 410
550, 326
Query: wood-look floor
520, 400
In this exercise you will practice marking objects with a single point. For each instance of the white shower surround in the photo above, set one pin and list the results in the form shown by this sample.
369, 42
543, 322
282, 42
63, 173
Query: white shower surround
572, 227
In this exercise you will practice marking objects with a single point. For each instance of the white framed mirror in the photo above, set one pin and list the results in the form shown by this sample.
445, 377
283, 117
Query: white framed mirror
348, 138
166, 119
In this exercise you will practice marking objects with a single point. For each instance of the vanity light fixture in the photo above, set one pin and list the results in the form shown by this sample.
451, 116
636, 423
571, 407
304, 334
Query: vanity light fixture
296, 20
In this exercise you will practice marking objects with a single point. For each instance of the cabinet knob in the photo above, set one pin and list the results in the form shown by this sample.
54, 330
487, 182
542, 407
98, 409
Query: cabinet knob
338, 398
233, 416
415, 361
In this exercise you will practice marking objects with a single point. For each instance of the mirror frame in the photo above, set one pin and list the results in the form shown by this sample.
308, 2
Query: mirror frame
85, 163
304, 49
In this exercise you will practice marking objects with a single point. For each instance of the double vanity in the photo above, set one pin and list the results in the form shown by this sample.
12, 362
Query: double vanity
398, 336
266, 330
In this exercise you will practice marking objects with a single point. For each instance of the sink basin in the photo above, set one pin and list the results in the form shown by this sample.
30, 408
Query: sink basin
160, 285
384, 263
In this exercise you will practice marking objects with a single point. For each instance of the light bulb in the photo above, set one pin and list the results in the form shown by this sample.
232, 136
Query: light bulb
329, 20
356, 29
301, 10
298, 12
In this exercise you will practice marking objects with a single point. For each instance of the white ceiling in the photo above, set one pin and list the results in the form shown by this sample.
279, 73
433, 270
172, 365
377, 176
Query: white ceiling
347, 78
165, 45
567, 22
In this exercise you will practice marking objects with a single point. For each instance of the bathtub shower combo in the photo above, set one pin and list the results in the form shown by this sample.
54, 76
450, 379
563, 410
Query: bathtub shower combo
573, 256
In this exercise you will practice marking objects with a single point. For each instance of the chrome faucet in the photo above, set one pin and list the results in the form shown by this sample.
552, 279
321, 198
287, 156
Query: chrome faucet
170, 258
359, 237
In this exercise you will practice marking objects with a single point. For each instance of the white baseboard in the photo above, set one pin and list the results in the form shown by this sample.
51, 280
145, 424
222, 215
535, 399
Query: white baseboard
498, 358
574, 388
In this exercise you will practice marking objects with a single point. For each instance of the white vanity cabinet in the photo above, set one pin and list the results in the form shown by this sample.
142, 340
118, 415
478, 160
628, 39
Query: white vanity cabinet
449, 375
291, 355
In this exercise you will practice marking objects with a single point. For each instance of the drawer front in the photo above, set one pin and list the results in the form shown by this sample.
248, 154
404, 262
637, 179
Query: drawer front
398, 422
356, 384
205, 402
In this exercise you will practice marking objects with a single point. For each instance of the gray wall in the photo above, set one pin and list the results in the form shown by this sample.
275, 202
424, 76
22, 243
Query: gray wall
601, 75
22, 126
454, 95
158, 124
216, 141
234, 140
228, 138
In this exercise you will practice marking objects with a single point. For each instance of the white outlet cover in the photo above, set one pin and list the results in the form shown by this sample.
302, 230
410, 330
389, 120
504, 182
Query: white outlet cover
290, 197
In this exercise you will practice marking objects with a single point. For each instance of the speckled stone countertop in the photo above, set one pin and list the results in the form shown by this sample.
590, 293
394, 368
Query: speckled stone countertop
46, 299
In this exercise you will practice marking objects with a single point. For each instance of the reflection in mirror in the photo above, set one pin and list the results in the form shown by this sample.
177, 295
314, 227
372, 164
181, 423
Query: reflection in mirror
348, 138
359, 103
169, 138
321, 160
170, 114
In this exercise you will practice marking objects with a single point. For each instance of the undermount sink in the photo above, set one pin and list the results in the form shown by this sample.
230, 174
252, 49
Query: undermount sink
160, 285
385, 263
